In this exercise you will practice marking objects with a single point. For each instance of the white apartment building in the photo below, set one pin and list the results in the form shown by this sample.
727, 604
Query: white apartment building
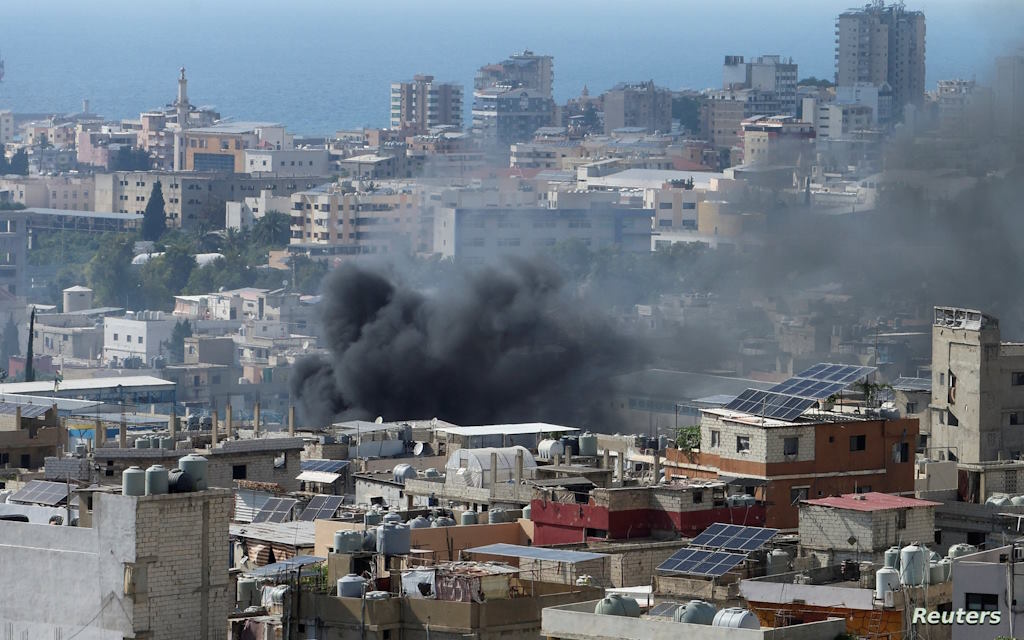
833, 121
6, 126
287, 162
143, 335
242, 214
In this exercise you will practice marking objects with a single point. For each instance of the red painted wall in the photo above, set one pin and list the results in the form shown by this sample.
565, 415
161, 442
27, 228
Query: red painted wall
561, 523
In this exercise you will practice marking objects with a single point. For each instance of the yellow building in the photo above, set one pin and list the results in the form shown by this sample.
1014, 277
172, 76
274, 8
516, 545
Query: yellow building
221, 147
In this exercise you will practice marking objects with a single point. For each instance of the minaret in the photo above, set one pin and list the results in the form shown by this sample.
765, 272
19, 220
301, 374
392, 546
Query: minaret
182, 102
182, 107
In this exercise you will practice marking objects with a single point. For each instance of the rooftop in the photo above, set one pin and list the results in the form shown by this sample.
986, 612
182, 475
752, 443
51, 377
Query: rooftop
234, 127
506, 429
870, 501
85, 384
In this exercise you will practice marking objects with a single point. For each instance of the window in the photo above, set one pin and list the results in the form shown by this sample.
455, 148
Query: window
981, 601
195, 381
901, 452
238, 472
664, 205
698, 496
140, 339
1017, 378
942, 378
1017, 417
911, 408
901, 519
866, 488
689, 205
128, 338
796, 494
951, 419
115, 337
742, 444
790, 446
716, 438
858, 443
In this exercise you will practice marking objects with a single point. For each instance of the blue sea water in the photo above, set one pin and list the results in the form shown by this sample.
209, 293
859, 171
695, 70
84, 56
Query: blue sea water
321, 65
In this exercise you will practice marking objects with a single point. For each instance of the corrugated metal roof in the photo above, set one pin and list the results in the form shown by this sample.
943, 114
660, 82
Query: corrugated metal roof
27, 410
297, 533
86, 384
507, 429
536, 553
870, 501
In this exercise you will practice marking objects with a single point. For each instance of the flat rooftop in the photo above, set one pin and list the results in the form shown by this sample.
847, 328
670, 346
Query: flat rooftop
507, 429
870, 501
85, 384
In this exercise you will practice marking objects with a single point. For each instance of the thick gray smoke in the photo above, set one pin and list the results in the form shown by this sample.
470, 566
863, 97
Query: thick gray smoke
503, 343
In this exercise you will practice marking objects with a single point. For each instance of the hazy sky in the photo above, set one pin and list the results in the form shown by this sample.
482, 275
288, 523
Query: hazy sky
317, 63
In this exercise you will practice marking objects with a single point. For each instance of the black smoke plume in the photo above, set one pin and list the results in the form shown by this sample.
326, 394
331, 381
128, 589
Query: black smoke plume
498, 344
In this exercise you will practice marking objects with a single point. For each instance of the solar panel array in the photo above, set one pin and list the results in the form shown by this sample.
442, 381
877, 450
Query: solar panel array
913, 384
702, 562
734, 537
822, 380
664, 610
276, 510
42, 492
536, 553
321, 508
27, 410
328, 466
770, 405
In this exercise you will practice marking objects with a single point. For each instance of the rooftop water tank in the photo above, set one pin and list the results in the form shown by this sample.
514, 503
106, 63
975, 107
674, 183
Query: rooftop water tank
348, 541
585, 581
961, 549
371, 518
1017, 501
588, 444
179, 482
277, 594
892, 557
81, 450
370, 539
431, 473
736, 618
468, 517
196, 467
377, 595
156, 480
496, 516
913, 565
419, 522
443, 521
936, 573
695, 612
246, 593
886, 579
998, 500
616, 605
403, 472
527, 512
141, 443
351, 586
391, 518
167, 443
549, 449
947, 569
133, 482
393, 539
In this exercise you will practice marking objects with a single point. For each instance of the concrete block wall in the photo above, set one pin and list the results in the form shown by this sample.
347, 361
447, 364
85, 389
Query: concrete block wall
728, 432
635, 568
565, 573
776, 440
58, 469
920, 527
831, 529
181, 565
259, 467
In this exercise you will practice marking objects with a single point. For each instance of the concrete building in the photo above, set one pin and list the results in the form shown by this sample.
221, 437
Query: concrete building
986, 583
482, 235
880, 45
832, 120
637, 104
785, 462
29, 432
13, 252
6, 126
861, 526
1008, 94
722, 113
977, 389
526, 70
242, 214
503, 115
333, 220
100, 148
777, 140
69, 335
142, 336
580, 622
300, 163
965, 109
764, 73
421, 104
221, 147
126, 570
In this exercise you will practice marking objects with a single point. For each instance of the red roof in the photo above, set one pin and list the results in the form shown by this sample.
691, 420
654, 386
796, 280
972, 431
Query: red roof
870, 501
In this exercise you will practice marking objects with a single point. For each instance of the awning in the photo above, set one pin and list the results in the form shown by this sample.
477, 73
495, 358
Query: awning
743, 482
322, 477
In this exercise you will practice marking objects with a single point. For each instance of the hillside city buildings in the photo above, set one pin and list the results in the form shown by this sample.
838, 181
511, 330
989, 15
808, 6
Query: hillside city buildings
786, 451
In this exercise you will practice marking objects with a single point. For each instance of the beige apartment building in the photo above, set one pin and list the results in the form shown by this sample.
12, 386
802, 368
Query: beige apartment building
334, 220
977, 399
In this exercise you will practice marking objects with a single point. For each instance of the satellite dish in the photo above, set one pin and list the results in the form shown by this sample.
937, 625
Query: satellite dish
379, 420
305, 345
851, 540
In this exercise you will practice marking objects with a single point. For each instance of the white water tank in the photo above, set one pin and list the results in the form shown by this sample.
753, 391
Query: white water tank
588, 445
778, 562
351, 586
998, 500
961, 549
403, 472
393, 539
736, 618
246, 593
549, 449
133, 481
913, 565
156, 480
892, 557
696, 612
936, 573
196, 467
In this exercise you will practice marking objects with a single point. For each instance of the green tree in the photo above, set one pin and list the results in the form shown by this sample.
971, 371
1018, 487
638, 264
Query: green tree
154, 220
110, 274
182, 329
272, 230
811, 81
308, 273
19, 163
9, 345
